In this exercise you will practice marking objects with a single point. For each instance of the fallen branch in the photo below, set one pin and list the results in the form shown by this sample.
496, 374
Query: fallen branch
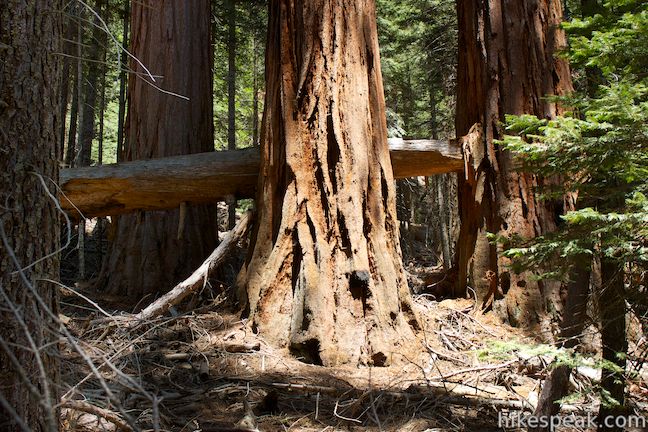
200, 276
475, 369
88, 408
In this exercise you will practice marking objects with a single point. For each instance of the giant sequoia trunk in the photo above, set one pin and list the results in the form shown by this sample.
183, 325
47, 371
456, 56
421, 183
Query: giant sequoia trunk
29, 223
152, 251
325, 277
506, 66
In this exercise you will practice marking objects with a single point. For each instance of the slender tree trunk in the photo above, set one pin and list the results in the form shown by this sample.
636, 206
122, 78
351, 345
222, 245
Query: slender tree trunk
123, 81
29, 222
325, 277
95, 45
507, 65
556, 385
442, 187
74, 109
434, 124
255, 96
611, 304
231, 97
66, 79
153, 251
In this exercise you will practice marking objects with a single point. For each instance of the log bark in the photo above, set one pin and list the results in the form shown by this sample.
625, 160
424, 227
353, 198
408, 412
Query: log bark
165, 183
324, 278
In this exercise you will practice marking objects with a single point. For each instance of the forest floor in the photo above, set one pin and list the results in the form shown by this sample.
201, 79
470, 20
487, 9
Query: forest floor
203, 369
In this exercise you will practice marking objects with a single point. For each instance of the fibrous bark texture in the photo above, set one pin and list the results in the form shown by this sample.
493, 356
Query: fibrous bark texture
325, 276
30, 70
153, 251
506, 66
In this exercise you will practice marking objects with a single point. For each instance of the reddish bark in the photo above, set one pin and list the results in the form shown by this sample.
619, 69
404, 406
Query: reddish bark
153, 251
507, 65
325, 276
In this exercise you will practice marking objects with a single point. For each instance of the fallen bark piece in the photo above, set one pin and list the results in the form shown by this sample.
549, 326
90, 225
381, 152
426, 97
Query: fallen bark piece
200, 276
241, 347
166, 183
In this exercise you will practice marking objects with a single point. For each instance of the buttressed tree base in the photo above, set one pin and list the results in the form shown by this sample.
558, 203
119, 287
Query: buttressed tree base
325, 276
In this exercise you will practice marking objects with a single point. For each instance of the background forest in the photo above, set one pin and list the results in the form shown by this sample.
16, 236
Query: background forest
526, 254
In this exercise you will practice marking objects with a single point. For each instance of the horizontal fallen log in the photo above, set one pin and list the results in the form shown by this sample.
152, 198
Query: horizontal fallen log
165, 183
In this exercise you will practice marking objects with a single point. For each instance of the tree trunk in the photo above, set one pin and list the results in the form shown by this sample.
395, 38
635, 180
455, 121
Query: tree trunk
556, 386
255, 90
506, 66
231, 97
74, 108
29, 222
151, 251
66, 79
96, 44
325, 277
614, 343
123, 81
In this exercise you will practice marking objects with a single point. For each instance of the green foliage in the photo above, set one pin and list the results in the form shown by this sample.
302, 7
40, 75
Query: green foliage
251, 27
510, 350
600, 149
418, 43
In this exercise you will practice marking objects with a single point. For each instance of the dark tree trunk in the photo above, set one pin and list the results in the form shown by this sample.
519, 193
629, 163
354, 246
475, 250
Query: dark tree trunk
153, 251
96, 44
255, 95
506, 66
614, 343
74, 109
556, 385
29, 221
123, 81
325, 277
66, 79
231, 96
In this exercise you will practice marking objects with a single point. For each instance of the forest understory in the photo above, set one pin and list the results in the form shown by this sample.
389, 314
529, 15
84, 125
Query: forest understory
202, 368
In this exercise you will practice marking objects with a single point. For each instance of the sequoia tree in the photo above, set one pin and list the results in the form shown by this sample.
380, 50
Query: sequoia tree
507, 65
29, 222
170, 116
324, 277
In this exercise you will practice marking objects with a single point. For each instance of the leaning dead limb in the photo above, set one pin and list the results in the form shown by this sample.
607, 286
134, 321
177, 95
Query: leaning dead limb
200, 276
97, 411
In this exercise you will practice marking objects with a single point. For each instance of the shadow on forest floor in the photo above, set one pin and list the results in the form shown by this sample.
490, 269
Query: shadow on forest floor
205, 370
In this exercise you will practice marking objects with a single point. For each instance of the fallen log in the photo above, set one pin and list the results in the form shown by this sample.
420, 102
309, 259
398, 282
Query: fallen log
198, 277
165, 183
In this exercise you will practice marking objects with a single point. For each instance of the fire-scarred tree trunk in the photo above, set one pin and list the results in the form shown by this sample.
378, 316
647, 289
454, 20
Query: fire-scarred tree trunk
152, 251
507, 65
325, 276
30, 38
